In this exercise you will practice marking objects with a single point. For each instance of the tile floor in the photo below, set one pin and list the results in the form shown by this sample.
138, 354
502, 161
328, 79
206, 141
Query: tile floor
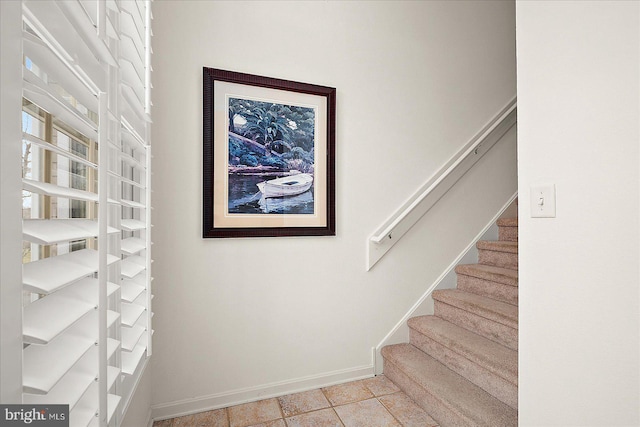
373, 402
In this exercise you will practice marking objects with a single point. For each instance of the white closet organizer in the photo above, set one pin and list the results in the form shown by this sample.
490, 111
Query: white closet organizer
86, 205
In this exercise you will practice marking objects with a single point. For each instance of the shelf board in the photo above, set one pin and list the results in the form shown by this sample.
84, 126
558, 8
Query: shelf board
130, 313
57, 191
130, 336
51, 274
86, 409
48, 316
132, 204
132, 266
130, 361
133, 245
50, 231
45, 365
131, 289
113, 374
112, 347
132, 225
71, 386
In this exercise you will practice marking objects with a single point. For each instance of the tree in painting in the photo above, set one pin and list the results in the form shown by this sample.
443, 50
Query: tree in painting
270, 137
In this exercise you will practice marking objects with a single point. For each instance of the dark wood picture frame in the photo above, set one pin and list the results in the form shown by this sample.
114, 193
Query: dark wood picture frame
221, 87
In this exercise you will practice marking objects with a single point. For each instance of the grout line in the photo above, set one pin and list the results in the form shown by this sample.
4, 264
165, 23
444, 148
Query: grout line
390, 413
338, 416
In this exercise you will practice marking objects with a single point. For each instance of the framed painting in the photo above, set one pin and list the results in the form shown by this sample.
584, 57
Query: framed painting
268, 156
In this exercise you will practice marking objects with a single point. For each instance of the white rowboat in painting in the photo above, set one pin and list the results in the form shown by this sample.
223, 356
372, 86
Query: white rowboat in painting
286, 186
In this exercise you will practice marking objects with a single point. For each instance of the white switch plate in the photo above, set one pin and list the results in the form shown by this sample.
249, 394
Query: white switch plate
543, 201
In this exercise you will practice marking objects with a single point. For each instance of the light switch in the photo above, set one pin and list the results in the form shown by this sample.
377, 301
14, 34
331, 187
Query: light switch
543, 201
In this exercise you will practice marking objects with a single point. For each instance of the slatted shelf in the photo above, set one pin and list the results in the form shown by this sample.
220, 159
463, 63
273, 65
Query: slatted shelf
68, 47
113, 374
130, 313
86, 409
41, 55
135, 104
45, 365
132, 266
50, 231
132, 288
48, 98
129, 24
132, 245
48, 316
71, 386
58, 191
112, 346
130, 336
86, 30
58, 150
131, 137
132, 225
131, 360
51, 274
128, 159
132, 204
67, 43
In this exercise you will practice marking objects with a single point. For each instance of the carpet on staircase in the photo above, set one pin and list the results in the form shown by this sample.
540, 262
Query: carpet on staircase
461, 363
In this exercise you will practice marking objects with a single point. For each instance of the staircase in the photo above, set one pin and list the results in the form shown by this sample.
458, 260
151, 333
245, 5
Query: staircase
461, 364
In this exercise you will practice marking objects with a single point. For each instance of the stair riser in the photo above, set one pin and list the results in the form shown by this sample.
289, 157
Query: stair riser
445, 416
509, 234
494, 331
498, 259
494, 384
498, 291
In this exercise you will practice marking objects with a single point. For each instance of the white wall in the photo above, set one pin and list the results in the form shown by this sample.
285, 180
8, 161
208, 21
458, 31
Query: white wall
245, 318
578, 105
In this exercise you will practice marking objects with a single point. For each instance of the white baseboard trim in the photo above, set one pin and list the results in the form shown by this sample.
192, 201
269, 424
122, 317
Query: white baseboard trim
400, 333
236, 397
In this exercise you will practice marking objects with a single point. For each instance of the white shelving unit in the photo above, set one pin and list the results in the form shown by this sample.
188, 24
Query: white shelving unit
86, 232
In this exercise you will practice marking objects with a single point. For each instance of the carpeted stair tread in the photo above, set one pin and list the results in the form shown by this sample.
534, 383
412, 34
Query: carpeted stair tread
506, 276
488, 308
498, 246
488, 354
451, 399
508, 222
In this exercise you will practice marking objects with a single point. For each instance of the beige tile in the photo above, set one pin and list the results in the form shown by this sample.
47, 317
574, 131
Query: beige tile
182, 421
254, 413
406, 411
342, 394
163, 423
215, 418
323, 418
368, 413
185, 421
276, 423
381, 385
298, 403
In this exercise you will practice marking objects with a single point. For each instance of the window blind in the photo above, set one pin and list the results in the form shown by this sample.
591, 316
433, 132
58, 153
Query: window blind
86, 205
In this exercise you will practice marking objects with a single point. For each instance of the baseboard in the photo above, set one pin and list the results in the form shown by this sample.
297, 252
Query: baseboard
447, 280
222, 400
